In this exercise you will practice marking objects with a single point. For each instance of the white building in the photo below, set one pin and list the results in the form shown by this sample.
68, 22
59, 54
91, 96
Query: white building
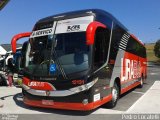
2, 51
6, 48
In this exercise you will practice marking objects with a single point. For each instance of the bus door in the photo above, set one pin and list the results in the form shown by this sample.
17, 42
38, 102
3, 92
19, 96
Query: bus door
101, 69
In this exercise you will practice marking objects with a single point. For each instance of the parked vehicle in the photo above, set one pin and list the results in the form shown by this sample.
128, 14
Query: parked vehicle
81, 60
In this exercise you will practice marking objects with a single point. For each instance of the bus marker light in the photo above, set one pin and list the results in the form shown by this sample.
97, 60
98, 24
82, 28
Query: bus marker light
85, 101
96, 90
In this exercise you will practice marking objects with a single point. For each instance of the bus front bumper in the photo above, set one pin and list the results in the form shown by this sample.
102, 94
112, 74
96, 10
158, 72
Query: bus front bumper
66, 105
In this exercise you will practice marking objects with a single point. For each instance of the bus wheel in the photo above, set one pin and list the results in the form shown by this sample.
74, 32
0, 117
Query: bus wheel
141, 82
115, 96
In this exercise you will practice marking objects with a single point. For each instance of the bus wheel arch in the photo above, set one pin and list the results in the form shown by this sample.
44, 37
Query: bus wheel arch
115, 92
117, 81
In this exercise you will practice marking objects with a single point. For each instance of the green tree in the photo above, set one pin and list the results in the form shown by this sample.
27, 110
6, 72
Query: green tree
157, 49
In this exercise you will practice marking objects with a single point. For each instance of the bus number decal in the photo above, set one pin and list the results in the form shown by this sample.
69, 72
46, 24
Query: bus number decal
77, 82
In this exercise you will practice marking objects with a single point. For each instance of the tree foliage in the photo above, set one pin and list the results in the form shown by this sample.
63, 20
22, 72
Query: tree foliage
157, 49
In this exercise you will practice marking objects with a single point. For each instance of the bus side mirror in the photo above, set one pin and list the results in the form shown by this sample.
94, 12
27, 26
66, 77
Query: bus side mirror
16, 38
17, 61
91, 30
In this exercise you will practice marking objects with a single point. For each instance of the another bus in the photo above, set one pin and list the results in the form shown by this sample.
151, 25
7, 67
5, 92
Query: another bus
80, 60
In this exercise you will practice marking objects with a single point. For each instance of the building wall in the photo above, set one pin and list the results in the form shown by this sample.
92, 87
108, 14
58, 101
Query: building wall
2, 51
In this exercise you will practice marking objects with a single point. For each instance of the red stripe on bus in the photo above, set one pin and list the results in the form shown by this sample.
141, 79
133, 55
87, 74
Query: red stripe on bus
68, 106
123, 90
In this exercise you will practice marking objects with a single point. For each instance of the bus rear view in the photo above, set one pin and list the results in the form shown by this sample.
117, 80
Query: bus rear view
69, 62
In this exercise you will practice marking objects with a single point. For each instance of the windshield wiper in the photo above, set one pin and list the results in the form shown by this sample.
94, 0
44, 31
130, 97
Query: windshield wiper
54, 53
59, 64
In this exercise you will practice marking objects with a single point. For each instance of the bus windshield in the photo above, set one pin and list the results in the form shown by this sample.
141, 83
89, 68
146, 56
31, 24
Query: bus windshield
70, 52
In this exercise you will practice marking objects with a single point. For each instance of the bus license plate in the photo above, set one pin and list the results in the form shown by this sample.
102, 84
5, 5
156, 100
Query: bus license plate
47, 102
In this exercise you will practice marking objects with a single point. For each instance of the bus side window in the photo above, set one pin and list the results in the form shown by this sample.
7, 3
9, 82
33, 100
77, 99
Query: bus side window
101, 47
136, 48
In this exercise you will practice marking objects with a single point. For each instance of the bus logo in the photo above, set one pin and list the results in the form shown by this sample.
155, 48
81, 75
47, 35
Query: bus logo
130, 69
36, 84
73, 28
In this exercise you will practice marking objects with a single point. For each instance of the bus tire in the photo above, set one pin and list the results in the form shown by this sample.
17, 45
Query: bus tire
141, 82
115, 96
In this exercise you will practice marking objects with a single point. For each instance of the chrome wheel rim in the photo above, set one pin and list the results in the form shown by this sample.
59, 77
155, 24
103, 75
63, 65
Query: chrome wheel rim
141, 81
114, 94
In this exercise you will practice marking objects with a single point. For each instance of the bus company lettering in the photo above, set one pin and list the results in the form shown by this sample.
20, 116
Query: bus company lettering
130, 69
36, 84
41, 32
73, 28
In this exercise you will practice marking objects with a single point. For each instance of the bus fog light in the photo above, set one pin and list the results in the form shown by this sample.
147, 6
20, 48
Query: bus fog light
85, 101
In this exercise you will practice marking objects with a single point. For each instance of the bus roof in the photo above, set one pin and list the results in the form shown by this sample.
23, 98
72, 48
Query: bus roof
82, 13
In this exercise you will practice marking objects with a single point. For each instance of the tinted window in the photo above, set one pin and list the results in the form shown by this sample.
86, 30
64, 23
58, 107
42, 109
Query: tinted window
117, 34
101, 47
71, 53
136, 48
